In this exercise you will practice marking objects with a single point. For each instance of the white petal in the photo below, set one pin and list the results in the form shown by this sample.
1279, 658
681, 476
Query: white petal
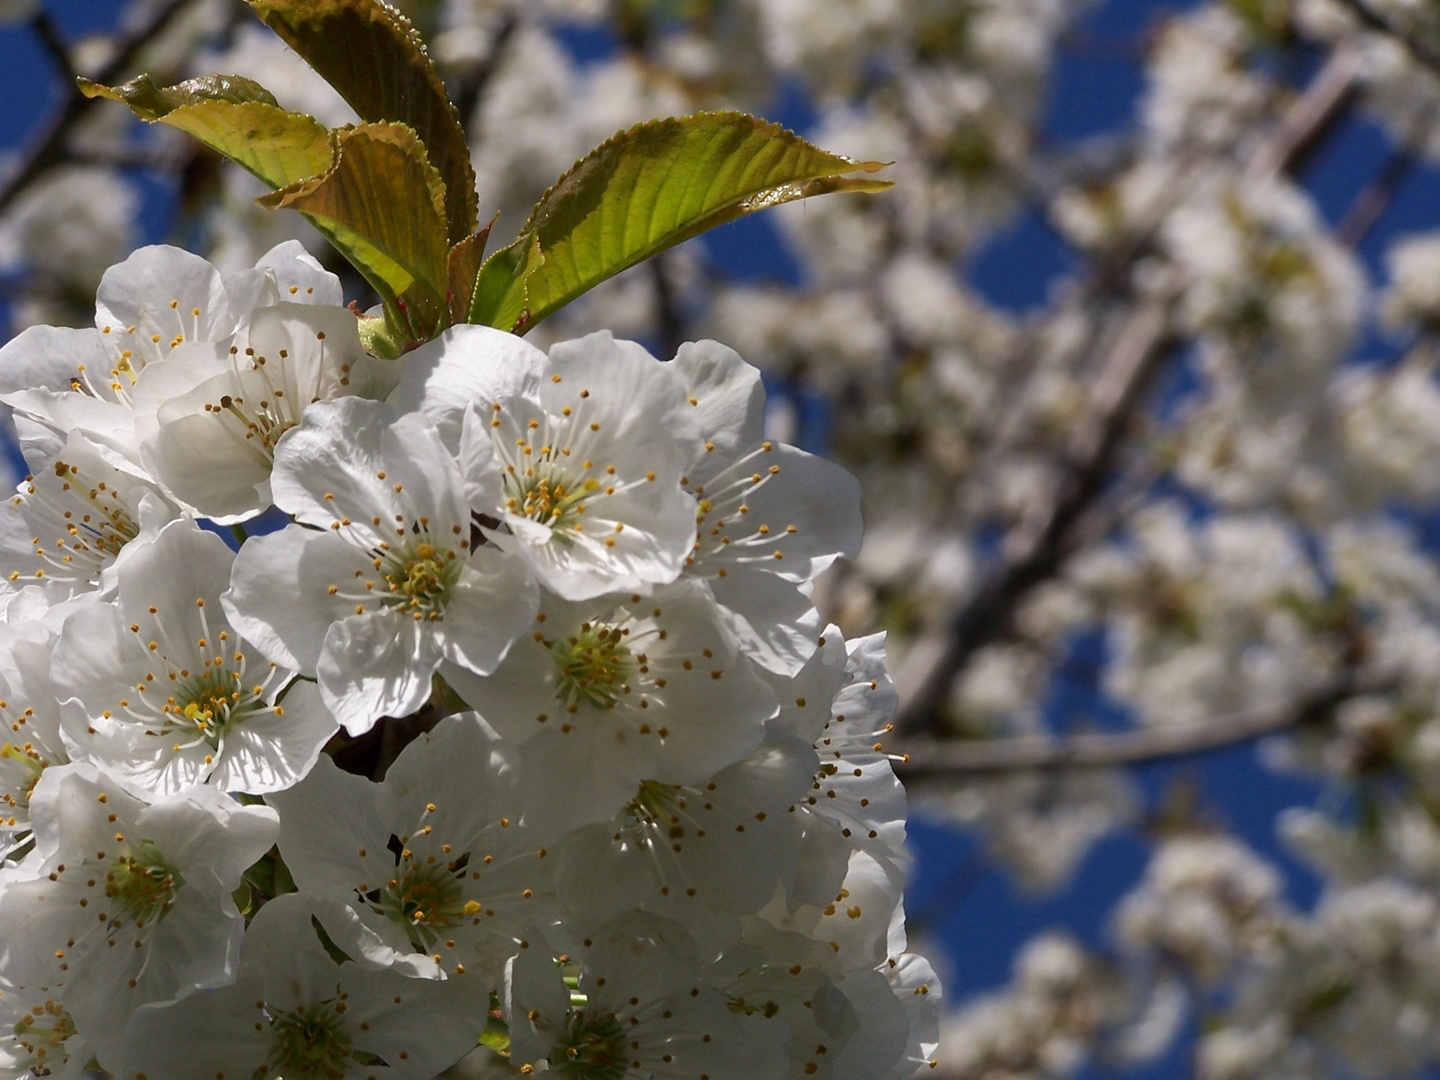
374, 665
466, 365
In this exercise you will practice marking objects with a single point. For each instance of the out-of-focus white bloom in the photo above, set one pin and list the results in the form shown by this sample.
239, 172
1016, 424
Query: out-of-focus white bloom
1262, 268
69, 230
257, 54
1201, 94
1413, 292
1207, 901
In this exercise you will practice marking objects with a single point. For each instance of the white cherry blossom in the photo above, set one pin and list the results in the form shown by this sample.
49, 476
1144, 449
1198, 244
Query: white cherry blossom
383, 579
295, 1011
30, 713
645, 1012
66, 526
161, 691
220, 409
769, 517
434, 859
604, 694
154, 880
587, 444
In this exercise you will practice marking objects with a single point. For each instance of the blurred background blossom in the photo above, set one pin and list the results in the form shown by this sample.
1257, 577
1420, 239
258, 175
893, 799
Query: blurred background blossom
1137, 365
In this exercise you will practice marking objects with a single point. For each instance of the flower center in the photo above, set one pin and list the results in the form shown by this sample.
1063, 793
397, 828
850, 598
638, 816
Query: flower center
548, 494
593, 665
309, 1042
592, 1048
419, 576
42, 1032
141, 883
206, 705
424, 897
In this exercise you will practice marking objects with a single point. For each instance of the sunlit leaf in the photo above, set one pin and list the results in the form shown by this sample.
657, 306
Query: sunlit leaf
385, 194
375, 59
645, 190
234, 117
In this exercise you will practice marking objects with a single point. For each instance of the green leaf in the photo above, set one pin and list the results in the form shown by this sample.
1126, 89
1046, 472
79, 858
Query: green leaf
375, 59
151, 102
234, 117
643, 191
386, 201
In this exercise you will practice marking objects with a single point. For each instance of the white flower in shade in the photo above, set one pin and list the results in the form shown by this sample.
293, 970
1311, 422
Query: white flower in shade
856, 788
579, 454
435, 858
383, 587
128, 904
37, 1037
30, 713
769, 517
344, 1007
163, 694
641, 1011
154, 302
606, 693
64, 528
700, 854
219, 409
862, 922
829, 1012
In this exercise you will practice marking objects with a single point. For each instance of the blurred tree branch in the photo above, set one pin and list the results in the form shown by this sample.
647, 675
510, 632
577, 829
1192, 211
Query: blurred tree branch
936, 758
1423, 51
1038, 546
49, 148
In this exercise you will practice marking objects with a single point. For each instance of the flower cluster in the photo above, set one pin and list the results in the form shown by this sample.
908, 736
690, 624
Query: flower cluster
625, 795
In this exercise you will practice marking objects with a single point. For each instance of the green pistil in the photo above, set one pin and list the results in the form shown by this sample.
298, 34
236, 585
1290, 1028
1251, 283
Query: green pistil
424, 898
592, 665
591, 1049
209, 704
42, 1032
310, 1042
419, 576
141, 883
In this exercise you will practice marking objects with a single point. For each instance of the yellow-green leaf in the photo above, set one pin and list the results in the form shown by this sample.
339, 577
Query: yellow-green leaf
384, 192
645, 190
234, 117
375, 59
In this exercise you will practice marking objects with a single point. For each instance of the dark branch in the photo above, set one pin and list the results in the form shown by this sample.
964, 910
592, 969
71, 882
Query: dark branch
934, 759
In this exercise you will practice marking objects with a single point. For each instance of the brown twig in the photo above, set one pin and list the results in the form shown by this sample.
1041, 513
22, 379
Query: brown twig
49, 148
939, 758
